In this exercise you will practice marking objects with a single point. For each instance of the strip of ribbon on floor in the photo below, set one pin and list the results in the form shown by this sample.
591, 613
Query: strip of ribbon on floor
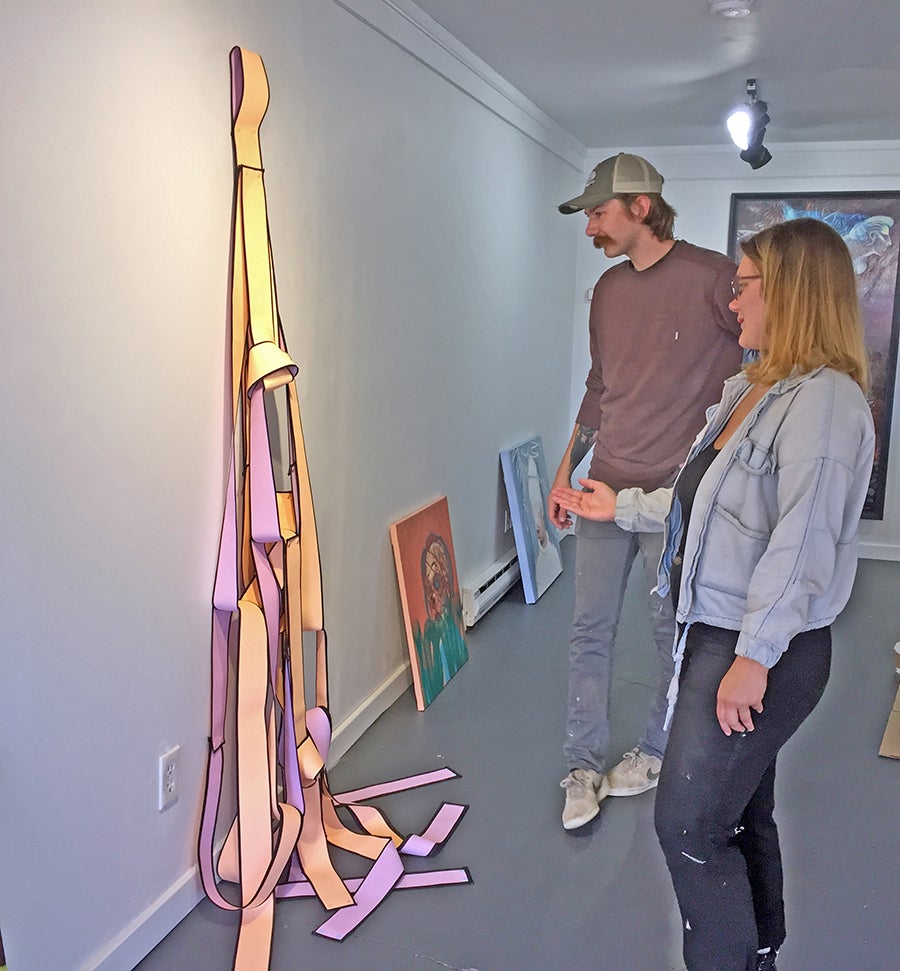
268, 592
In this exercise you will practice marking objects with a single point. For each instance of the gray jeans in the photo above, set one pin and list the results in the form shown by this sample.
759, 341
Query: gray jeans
604, 554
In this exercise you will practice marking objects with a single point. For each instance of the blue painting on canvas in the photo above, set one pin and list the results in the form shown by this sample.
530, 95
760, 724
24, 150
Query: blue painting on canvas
537, 540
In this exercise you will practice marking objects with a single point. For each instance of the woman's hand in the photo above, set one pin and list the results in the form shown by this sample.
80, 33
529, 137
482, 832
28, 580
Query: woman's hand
741, 689
597, 502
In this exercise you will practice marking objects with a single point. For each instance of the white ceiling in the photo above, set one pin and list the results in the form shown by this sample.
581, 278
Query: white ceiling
666, 72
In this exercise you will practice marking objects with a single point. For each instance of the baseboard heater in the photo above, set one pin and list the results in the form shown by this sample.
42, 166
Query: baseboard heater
488, 587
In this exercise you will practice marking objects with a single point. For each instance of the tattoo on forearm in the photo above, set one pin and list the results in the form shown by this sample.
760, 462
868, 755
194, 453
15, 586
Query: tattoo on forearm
581, 445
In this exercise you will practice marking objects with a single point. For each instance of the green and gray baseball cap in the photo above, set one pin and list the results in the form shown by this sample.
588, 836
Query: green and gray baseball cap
622, 174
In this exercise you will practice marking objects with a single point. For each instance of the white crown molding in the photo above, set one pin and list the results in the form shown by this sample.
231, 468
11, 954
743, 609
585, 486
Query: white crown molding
402, 23
790, 160
793, 148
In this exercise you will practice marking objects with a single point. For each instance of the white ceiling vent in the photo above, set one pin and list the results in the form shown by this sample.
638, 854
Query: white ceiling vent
730, 8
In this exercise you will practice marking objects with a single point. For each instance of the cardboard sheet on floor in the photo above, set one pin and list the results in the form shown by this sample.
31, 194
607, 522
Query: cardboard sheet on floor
890, 742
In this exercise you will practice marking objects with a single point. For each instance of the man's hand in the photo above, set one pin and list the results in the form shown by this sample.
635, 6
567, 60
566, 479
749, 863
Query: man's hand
579, 445
741, 689
557, 513
597, 502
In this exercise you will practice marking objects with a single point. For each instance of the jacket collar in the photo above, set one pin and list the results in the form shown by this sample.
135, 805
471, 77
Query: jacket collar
739, 381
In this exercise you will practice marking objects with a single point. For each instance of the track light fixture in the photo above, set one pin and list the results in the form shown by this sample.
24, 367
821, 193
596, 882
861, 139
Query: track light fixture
747, 127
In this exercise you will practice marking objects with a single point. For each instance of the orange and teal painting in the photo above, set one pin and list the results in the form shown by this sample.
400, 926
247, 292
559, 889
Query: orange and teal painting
429, 593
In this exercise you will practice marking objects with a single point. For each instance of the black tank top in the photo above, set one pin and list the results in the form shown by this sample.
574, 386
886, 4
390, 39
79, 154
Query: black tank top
685, 490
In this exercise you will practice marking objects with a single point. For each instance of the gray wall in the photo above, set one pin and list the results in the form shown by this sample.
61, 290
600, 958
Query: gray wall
425, 282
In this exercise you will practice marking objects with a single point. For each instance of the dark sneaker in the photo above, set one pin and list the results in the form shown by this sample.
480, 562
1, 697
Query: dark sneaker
766, 962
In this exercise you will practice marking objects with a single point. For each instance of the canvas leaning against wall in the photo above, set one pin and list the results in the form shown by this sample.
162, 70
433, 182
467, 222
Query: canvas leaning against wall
869, 223
537, 541
429, 593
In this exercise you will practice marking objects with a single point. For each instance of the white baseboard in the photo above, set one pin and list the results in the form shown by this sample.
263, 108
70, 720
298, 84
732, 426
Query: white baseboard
138, 939
879, 551
352, 728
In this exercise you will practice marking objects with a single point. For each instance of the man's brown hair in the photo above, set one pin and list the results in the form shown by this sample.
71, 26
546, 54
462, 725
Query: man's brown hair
660, 219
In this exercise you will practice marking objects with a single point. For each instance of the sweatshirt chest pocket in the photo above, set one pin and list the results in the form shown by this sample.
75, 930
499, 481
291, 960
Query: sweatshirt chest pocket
666, 332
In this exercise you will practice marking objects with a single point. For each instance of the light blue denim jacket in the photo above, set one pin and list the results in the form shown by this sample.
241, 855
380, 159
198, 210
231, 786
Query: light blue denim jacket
772, 544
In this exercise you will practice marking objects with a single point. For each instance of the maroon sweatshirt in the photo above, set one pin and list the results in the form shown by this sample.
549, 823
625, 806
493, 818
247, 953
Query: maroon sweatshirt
662, 343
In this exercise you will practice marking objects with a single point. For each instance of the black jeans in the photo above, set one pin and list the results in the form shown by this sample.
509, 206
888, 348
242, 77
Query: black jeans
716, 796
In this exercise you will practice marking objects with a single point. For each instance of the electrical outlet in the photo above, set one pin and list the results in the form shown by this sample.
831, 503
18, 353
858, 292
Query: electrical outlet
507, 523
169, 777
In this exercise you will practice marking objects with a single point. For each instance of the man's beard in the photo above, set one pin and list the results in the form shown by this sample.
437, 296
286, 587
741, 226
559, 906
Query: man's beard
601, 241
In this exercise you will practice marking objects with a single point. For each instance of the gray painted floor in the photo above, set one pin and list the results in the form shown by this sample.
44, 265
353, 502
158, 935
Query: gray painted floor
599, 899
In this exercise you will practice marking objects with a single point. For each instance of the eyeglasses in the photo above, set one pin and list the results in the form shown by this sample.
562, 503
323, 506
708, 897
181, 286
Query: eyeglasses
739, 283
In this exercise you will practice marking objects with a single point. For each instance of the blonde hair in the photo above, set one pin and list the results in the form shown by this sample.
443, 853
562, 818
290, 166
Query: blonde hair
812, 309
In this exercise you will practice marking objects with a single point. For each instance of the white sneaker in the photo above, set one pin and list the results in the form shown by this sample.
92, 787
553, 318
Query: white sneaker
585, 790
637, 772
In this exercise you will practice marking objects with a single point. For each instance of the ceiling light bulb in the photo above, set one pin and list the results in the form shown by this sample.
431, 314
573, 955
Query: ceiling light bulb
730, 8
738, 123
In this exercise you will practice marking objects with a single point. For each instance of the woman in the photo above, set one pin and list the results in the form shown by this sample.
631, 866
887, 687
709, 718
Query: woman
760, 557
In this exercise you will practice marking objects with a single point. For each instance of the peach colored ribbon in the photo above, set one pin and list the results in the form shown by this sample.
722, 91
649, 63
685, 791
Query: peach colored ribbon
268, 591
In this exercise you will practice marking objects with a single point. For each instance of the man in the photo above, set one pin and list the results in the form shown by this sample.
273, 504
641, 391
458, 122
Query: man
662, 342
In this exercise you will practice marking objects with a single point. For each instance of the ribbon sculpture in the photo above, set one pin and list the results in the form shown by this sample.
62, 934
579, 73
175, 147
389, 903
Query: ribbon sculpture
268, 591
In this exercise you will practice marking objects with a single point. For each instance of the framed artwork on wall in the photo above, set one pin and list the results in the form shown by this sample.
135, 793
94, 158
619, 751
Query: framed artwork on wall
869, 223
537, 541
429, 594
